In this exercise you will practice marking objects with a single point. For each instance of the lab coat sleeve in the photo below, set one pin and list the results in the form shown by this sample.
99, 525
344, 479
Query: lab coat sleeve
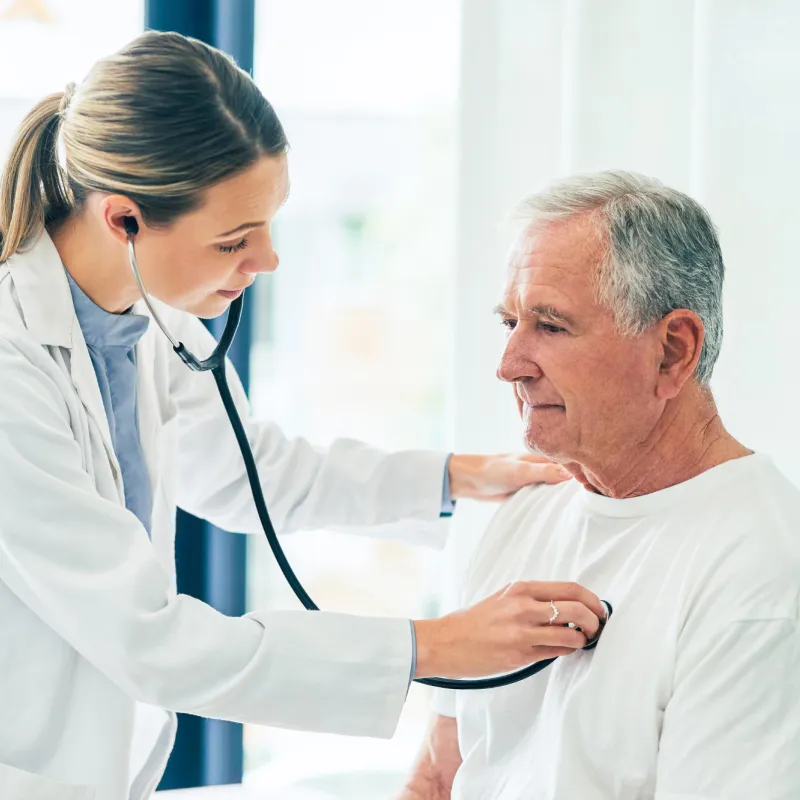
732, 726
347, 486
85, 566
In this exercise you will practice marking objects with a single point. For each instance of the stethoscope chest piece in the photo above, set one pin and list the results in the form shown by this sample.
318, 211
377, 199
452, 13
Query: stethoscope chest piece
592, 643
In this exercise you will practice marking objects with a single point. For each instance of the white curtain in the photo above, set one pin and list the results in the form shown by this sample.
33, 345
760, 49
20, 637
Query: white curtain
703, 94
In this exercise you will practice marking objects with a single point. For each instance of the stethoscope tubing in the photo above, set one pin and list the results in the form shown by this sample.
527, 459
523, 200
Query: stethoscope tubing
215, 364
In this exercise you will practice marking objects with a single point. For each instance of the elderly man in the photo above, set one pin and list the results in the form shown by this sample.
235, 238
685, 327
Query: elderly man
613, 305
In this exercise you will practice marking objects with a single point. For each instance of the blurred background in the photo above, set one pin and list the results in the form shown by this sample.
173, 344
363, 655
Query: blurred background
414, 127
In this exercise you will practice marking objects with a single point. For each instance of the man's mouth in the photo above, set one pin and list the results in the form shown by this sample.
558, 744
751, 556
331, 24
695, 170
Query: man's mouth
537, 407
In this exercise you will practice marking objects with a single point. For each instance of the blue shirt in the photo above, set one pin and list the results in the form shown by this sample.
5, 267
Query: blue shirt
111, 339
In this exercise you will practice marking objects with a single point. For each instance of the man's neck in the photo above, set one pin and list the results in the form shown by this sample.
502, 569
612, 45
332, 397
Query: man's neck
688, 440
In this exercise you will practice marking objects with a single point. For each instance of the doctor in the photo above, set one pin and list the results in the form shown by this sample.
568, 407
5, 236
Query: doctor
103, 431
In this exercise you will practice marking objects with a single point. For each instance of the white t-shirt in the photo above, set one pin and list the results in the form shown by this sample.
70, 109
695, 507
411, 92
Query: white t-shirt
693, 692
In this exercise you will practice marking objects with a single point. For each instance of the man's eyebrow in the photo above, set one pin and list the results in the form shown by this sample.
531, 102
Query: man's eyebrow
549, 312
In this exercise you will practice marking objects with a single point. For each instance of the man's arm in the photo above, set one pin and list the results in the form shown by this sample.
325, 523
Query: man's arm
437, 764
732, 726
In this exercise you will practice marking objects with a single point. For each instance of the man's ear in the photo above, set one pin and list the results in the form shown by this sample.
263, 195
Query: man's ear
117, 211
681, 335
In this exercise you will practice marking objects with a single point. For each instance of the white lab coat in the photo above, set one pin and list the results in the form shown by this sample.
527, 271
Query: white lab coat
94, 639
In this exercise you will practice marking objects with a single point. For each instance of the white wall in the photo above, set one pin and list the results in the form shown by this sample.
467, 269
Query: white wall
704, 94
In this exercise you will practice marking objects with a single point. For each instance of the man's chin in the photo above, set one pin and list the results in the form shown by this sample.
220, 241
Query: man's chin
536, 447
540, 445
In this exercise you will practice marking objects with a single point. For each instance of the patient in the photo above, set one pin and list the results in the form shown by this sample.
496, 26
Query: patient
613, 305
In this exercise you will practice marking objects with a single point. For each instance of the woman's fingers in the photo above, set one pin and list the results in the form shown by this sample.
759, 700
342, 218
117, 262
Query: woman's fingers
496, 477
508, 630
557, 636
567, 591
543, 653
559, 593
569, 611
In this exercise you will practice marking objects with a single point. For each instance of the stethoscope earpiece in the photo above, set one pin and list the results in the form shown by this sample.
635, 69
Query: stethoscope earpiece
131, 225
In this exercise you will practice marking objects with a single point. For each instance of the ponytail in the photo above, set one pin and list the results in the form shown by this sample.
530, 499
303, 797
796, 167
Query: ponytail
34, 189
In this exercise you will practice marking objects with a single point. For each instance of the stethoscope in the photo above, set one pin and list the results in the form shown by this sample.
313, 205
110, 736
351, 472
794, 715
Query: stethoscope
215, 364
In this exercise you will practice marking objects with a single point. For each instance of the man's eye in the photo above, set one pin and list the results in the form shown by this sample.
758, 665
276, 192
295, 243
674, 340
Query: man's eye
509, 323
548, 328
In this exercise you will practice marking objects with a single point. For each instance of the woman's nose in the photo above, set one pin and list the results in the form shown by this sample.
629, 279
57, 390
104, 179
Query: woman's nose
266, 263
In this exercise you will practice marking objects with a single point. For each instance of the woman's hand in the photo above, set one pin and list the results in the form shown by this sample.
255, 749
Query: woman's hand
507, 631
498, 477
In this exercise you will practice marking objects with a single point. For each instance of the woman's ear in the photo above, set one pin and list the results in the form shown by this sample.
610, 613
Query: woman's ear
120, 216
681, 337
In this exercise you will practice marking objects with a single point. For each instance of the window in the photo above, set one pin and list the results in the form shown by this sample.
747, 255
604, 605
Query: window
353, 332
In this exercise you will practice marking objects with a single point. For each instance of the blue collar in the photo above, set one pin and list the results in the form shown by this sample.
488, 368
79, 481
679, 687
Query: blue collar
103, 329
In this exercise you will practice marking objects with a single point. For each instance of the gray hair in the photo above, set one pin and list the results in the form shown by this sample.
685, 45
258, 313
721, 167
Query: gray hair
662, 251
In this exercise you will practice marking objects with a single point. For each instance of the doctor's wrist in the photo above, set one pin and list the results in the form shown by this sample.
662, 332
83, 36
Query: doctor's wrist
430, 648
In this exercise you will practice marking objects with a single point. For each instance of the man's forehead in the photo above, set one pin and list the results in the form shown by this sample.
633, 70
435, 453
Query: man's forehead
571, 245
553, 262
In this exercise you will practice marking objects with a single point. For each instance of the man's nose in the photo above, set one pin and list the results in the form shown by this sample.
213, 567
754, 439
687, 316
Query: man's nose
515, 365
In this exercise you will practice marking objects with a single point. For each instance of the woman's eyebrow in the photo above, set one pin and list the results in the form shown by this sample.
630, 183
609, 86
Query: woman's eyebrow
240, 228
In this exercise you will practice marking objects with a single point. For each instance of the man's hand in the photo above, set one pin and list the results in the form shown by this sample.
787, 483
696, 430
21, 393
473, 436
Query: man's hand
500, 476
438, 762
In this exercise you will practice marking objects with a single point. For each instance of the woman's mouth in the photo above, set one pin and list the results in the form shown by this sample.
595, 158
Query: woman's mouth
230, 294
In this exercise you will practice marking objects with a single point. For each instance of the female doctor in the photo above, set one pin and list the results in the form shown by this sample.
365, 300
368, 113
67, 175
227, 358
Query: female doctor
103, 431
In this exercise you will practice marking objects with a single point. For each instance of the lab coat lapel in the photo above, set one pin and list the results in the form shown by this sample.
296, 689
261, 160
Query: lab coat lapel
43, 291
85, 380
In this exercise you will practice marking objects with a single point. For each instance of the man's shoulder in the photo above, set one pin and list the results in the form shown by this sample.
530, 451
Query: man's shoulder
762, 507
528, 505
520, 523
540, 495
752, 553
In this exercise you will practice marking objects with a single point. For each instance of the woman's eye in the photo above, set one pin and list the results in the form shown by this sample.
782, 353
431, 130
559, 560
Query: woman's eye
233, 248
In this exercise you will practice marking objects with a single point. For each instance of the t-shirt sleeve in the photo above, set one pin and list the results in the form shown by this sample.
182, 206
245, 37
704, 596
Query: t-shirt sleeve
732, 726
443, 702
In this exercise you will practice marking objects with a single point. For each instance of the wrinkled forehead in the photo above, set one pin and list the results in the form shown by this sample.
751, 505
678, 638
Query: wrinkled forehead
554, 258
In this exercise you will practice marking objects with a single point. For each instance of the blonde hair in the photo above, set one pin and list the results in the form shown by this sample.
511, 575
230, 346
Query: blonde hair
159, 122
